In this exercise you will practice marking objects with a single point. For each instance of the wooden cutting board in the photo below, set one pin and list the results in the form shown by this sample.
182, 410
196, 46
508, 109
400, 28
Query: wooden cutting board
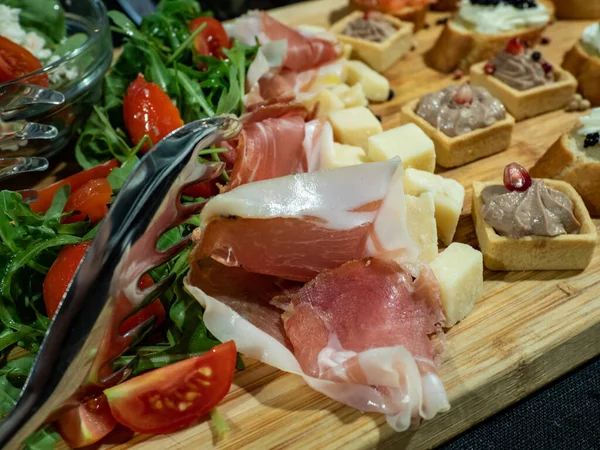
528, 328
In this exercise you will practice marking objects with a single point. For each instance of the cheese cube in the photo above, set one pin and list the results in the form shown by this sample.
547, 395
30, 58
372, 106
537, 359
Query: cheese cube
327, 102
420, 221
459, 271
408, 142
448, 195
350, 96
347, 50
353, 126
343, 155
375, 85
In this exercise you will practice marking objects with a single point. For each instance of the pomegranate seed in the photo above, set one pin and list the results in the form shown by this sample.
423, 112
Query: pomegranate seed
489, 68
515, 46
516, 178
463, 95
458, 74
547, 67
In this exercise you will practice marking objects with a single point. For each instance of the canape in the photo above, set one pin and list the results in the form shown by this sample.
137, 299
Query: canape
583, 61
480, 29
378, 39
544, 225
524, 81
575, 158
464, 123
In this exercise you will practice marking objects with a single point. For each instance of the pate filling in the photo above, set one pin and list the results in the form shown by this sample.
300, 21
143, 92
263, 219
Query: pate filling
538, 211
495, 16
457, 110
372, 27
522, 71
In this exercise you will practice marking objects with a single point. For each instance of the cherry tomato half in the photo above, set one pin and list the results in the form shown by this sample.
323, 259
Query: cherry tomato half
46, 195
62, 272
212, 39
174, 396
205, 190
147, 109
16, 61
90, 200
87, 423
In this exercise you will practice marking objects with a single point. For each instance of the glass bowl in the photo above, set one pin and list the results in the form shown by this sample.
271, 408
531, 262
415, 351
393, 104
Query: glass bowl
82, 89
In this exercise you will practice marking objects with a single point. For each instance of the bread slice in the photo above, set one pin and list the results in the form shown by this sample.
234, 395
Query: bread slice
567, 160
459, 48
413, 14
577, 9
586, 68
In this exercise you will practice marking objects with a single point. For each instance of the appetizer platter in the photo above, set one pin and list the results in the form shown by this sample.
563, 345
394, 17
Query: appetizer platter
398, 237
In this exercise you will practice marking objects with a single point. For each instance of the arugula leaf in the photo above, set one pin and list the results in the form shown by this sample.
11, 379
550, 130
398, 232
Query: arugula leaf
229, 102
125, 26
8, 395
118, 176
43, 439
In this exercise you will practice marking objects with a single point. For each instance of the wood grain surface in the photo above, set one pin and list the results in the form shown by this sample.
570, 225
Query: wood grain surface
528, 328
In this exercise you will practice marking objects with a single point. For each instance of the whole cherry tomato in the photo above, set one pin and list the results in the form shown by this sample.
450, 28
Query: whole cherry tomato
16, 61
90, 200
212, 39
148, 110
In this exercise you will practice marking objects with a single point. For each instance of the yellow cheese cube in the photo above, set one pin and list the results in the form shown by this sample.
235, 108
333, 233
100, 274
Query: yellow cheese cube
343, 155
420, 221
327, 102
375, 85
347, 50
408, 142
353, 126
350, 96
448, 195
459, 271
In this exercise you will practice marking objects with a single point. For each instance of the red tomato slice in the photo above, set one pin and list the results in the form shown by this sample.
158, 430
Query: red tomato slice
212, 39
90, 200
173, 397
87, 423
147, 109
155, 309
16, 61
62, 272
60, 275
205, 190
77, 180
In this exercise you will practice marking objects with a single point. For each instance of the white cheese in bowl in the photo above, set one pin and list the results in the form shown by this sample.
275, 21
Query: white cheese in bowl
10, 28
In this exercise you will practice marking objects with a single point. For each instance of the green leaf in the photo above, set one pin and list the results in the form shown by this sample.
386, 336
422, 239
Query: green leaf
70, 44
58, 202
125, 25
156, 70
44, 16
44, 439
8, 395
194, 94
118, 176
229, 102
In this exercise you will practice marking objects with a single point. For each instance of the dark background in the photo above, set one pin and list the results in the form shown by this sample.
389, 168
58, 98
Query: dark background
562, 416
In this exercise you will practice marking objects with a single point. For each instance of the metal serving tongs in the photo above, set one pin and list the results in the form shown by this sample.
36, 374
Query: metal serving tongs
84, 336
14, 97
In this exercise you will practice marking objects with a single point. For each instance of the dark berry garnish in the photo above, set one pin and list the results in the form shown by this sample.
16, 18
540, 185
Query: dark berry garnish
458, 74
547, 67
519, 4
391, 95
489, 68
442, 21
426, 26
516, 178
545, 40
463, 95
515, 46
591, 139
536, 56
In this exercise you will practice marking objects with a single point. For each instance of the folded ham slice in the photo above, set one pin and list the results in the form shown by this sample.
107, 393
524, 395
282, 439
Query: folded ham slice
358, 333
303, 51
296, 226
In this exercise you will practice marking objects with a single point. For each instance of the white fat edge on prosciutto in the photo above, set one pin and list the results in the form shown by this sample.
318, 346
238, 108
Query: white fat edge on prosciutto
247, 29
410, 394
336, 196
318, 144
268, 59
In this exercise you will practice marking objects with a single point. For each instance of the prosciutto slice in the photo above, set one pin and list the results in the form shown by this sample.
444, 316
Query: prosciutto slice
358, 333
303, 51
295, 227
